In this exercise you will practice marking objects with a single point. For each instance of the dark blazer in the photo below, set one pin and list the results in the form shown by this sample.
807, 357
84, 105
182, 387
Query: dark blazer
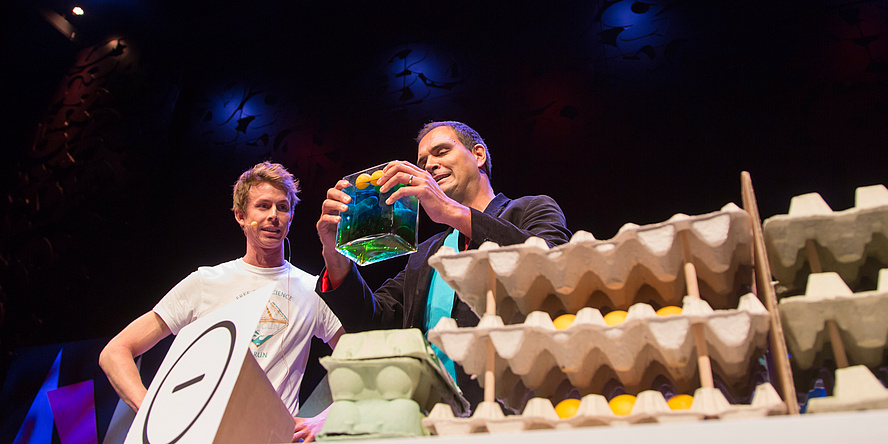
401, 301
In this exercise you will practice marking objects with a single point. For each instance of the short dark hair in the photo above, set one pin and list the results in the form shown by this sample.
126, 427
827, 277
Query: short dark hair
464, 133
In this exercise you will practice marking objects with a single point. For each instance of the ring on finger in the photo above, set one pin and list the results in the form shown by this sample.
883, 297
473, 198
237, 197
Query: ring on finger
409, 182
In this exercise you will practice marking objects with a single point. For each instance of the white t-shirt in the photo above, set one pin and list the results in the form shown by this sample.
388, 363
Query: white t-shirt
293, 314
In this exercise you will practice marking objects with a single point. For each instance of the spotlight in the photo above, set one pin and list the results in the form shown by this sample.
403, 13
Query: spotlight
77, 10
58, 22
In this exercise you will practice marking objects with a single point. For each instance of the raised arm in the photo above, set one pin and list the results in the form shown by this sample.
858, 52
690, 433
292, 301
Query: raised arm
358, 307
337, 265
117, 358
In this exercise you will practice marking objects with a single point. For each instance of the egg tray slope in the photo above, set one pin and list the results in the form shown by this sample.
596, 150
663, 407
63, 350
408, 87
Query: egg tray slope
650, 407
862, 320
856, 389
589, 349
638, 256
845, 240
373, 419
390, 364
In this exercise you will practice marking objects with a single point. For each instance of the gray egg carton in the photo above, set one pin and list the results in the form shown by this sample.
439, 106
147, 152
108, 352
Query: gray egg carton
390, 364
856, 388
862, 320
373, 419
529, 275
650, 407
845, 240
534, 355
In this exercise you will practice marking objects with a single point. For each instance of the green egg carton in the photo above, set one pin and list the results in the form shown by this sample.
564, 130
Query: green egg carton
373, 419
384, 344
391, 364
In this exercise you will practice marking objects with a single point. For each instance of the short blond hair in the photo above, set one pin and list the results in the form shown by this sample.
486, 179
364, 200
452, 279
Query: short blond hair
273, 173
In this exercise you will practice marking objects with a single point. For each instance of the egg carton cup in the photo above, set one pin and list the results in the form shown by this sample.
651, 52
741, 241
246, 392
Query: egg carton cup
514, 395
862, 320
390, 364
589, 349
720, 243
856, 388
650, 407
845, 240
373, 419
408, 342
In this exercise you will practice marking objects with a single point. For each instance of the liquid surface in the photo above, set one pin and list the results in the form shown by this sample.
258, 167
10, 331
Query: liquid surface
371, 231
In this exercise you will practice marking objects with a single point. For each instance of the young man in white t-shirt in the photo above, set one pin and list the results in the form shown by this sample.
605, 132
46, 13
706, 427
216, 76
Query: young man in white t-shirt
264, 197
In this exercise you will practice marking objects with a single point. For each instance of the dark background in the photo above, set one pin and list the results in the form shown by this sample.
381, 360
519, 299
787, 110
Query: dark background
119, 148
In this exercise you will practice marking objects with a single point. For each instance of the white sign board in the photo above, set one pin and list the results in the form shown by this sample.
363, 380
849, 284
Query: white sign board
190, 393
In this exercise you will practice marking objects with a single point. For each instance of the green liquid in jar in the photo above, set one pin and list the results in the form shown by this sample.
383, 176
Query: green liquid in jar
371, 231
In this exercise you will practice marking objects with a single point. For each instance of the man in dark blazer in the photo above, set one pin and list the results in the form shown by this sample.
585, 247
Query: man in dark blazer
451, 179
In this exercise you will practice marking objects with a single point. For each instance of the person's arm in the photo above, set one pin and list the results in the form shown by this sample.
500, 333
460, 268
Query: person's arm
117, 358
335, 339
361, 309
528, 216
337, 265
412, 180
307, 429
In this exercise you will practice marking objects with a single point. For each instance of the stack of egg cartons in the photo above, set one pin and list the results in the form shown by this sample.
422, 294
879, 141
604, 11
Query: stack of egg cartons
832, 269
382, 383
538, 365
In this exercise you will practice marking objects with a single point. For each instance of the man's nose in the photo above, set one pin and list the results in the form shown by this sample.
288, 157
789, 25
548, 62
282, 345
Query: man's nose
273, 214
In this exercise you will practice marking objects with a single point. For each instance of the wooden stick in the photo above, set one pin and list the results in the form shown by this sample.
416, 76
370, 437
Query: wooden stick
835, 338
489, 377
813, 258
490, 308
765, 291
838, 348
704, 364
490, 363
691, 278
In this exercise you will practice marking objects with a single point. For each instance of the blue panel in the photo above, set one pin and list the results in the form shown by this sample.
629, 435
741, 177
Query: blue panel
74, 410
37, 428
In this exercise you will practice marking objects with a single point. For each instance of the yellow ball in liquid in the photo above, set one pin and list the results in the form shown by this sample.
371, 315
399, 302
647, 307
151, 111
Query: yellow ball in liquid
375, 177
362, 181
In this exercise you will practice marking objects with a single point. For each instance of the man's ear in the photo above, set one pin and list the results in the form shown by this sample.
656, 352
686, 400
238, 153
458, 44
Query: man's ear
480, 154
240, 217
